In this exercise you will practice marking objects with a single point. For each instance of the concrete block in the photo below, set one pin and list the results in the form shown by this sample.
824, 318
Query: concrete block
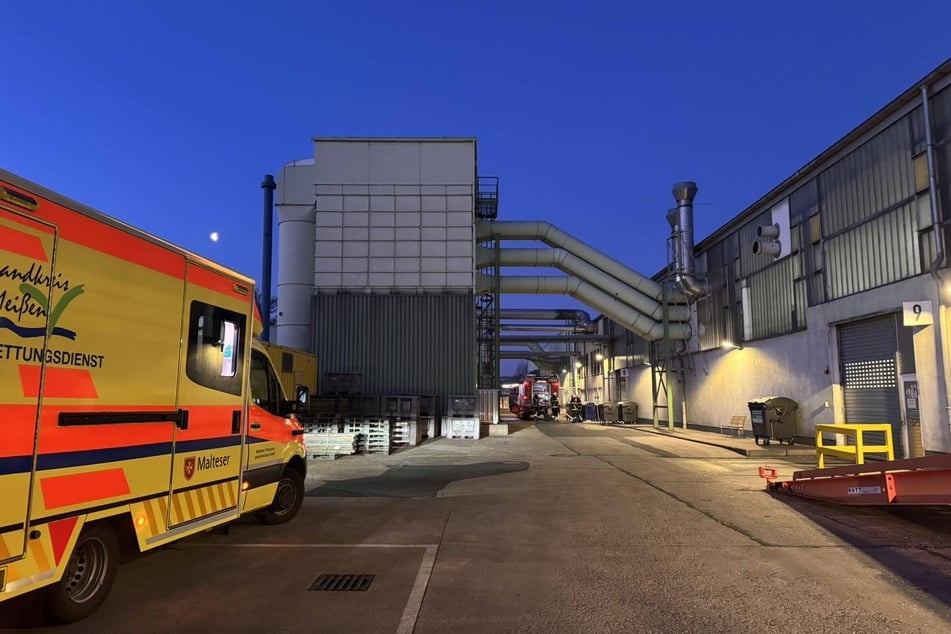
329, 233
407, 280
382, 219
433, 249
459, 233
459, 203
433, 203
499, 429
407, 265
407, 203
407, 233
407, 249
325, 218
433, 265
382, 249
432, 233
355, 265
327, 265
382, 264
356, 203
433, 280
356, 219
356, 233
382, 203
459, 219
407, 219
328, 249
328, 190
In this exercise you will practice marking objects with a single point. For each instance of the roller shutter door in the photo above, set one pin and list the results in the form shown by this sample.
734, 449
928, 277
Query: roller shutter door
867, 352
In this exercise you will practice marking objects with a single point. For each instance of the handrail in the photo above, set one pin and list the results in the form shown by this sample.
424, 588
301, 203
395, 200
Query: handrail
857, 451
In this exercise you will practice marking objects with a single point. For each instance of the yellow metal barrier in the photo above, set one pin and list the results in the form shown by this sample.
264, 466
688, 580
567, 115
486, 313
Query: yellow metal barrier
857, 451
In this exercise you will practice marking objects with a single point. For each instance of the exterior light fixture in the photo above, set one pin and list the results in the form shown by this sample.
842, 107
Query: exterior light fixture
578, 364
599, 357
729, 345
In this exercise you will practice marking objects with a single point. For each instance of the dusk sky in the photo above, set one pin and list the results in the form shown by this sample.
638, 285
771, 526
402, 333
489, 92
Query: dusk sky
166, 115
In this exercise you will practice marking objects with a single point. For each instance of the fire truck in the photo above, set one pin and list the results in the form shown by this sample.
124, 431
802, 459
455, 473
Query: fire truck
137, 405
535, 397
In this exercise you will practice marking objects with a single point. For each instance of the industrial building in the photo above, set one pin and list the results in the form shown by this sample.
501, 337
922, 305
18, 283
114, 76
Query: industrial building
829, 290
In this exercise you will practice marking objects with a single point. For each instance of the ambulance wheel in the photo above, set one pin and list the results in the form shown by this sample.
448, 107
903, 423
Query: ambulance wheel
88, 577
287, 499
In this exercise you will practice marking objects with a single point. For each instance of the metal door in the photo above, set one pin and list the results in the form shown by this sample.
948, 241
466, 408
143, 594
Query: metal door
867, 352
27, 258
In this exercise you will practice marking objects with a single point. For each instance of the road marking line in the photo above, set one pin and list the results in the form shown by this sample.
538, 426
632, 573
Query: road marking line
415, 602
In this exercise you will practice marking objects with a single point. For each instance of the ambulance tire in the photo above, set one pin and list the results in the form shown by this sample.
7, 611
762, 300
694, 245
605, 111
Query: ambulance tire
88, 577
287, 499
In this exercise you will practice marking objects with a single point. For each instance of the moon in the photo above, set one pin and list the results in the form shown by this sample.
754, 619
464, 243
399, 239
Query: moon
214, 236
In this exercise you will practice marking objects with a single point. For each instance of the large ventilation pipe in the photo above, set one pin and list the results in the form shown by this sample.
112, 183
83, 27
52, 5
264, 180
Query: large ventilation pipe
555, 237
685, 264
560, 339
543, 328
580, 318
618, 285
552, 356
620, 312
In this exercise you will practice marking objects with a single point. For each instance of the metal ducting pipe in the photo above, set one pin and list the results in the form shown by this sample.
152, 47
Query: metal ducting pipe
541, 328
684, 193
620, 312
580, 318
555, 237
560, 339
619, 287
521, 354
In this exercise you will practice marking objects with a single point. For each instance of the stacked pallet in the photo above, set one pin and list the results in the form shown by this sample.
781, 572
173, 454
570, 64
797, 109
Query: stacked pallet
407, 433
373, 434
330, 444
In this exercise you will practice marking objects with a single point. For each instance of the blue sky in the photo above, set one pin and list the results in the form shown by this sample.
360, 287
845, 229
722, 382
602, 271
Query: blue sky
167, 114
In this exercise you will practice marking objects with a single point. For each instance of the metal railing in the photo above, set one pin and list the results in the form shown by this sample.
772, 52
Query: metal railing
855, 453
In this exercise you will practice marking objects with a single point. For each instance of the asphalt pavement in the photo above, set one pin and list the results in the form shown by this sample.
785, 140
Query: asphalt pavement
554, 528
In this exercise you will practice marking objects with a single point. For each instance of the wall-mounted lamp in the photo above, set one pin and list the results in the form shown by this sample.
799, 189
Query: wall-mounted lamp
578, 364
599, 357
729, 345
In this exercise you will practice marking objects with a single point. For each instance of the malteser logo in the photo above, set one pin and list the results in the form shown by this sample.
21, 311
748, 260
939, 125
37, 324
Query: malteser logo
189, 468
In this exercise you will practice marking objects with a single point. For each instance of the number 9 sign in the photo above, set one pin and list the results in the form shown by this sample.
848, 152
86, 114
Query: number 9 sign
917, 313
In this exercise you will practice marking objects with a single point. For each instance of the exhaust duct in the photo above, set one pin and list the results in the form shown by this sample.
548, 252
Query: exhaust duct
684, 263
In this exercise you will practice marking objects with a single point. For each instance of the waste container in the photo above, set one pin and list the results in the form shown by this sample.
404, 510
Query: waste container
774, 418
590, 411
627, 411
608, 412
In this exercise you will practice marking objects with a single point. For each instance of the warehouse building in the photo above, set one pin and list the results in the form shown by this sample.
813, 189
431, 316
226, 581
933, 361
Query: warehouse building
844, 311
830, 290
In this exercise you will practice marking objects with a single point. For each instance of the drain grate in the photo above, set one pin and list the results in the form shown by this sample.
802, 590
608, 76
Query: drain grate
342, 583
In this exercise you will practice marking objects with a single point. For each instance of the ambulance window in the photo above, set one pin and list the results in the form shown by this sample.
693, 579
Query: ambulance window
265, 390
215, 347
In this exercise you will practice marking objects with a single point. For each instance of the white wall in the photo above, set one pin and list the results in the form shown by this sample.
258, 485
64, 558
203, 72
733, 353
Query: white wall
395, 214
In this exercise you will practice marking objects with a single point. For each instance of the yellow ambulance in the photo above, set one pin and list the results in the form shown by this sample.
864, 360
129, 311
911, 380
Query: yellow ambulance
135, 401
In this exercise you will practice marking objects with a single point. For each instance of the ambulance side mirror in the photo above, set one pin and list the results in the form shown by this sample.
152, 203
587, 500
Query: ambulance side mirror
303, 399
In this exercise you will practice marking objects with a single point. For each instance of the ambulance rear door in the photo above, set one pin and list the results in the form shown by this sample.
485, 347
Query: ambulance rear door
27, 258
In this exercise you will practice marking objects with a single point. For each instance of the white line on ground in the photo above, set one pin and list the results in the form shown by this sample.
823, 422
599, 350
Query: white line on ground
415, 601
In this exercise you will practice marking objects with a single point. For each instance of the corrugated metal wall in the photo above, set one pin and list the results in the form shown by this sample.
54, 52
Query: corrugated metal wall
401, 344
876, 253
777, 305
